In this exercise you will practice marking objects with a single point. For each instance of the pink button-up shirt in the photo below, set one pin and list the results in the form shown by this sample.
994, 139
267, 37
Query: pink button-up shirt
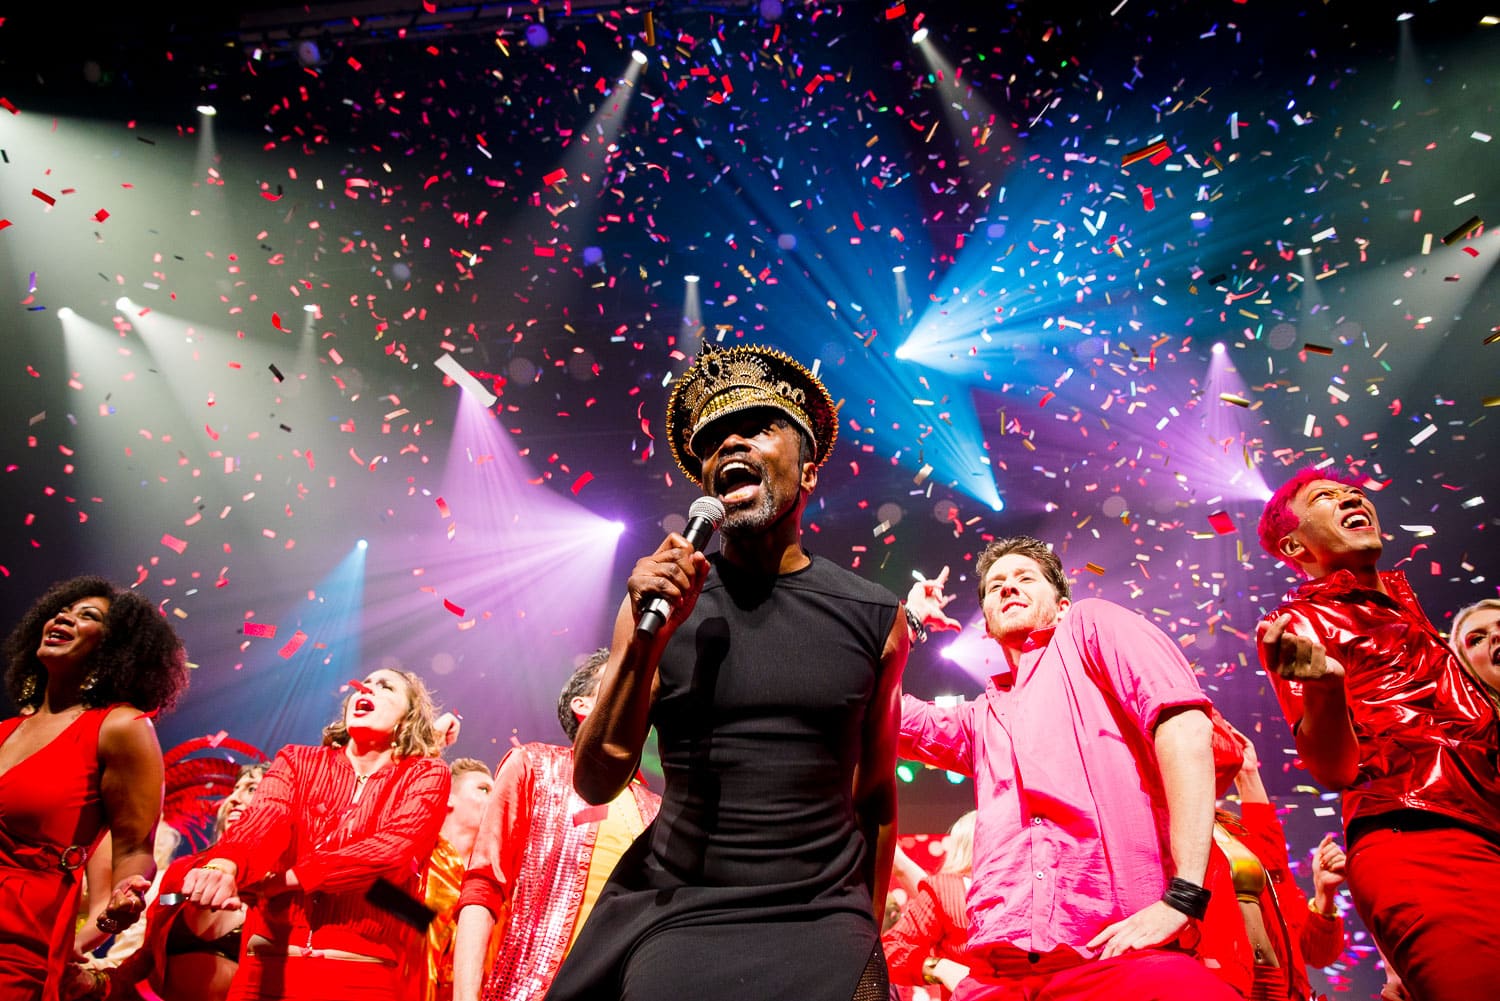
1072, 832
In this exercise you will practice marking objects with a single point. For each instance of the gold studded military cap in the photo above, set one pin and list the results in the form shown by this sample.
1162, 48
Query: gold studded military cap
726, 381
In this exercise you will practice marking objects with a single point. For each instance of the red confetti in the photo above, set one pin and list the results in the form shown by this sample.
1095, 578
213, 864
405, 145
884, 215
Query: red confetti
581, 482
590, 814
293, 645
264, 630
1046, 398
557, 175
173, 543
4, 224
44, 196
103, 214
1471, 251
359, 686
1222, 522
276, 322
1148, 200
455, 609
443, 508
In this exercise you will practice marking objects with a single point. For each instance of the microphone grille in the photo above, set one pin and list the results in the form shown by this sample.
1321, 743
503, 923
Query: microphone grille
710, 509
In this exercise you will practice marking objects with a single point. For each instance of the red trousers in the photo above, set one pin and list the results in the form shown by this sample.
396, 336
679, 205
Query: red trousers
306, 978
1427, 897
1146, 975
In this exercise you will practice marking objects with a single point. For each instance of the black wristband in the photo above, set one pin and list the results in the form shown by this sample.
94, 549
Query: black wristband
915, 625
1186, 897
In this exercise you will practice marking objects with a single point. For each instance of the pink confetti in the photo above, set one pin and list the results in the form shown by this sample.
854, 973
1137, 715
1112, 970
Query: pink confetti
443, 508
263, 630
293, 645
173, 543
590, 814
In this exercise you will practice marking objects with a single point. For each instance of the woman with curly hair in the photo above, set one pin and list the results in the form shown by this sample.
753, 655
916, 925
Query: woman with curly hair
326, 826
87, 666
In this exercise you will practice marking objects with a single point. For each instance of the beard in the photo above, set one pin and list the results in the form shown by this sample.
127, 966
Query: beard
753, 518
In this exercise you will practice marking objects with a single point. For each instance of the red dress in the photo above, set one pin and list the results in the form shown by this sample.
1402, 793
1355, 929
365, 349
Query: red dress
50, 819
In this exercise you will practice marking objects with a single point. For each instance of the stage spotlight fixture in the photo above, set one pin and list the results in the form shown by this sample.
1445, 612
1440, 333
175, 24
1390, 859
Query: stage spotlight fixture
1404, 16
919, 36
65, 312
899, 269
639, 57
1219, 347
362, 544
207, 110
311, 307
123, 304
690, 279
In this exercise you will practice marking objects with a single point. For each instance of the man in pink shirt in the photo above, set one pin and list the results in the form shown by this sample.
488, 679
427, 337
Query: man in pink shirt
1093, 774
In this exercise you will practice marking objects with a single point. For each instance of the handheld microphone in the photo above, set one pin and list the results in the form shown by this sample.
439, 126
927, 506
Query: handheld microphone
703, 517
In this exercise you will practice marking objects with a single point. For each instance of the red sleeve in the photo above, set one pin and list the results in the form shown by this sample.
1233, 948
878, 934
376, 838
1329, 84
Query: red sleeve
503, 834
910, 941
263, 834
403, 842
1322, 939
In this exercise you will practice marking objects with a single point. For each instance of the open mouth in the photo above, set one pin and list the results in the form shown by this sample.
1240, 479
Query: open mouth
1010, 605
736, 481
364, 704
1357, 520
58, 636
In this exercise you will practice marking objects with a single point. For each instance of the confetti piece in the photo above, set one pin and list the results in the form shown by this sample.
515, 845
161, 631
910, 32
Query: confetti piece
101, 215
442, 507
292, 645
455, 609
460, 375
359, 686
1238, 401
276, 373
1146, 153
44, 197
276, 322
259, 629
1464, 230
1317, 349
1222, 522
591, 815
173, 543
1094, 568
582, 482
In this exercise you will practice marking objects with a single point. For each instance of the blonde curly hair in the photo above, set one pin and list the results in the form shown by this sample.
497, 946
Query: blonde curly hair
416, 735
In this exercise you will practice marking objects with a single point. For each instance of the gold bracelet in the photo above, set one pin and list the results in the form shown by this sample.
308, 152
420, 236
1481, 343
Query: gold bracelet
214, 865
102, 983
1312, 905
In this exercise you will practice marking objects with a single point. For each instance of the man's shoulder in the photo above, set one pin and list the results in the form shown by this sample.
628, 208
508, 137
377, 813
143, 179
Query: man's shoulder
826, 576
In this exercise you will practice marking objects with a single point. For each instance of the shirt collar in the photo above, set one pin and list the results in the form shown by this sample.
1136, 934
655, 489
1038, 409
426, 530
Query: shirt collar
1006, 677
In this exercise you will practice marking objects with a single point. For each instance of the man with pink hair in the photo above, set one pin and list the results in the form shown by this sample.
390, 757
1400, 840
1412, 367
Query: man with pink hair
1383, 711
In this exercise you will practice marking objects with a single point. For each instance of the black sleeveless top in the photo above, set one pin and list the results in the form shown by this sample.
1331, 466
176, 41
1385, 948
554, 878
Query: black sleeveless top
755, 880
